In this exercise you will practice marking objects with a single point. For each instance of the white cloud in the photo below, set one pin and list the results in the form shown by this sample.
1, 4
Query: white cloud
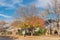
5, 16
6, 5
42, 3
11, 4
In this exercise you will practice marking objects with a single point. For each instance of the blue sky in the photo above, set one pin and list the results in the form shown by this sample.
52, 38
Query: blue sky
8, 7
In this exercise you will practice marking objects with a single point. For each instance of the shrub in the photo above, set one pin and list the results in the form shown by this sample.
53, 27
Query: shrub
40, 32
19, 32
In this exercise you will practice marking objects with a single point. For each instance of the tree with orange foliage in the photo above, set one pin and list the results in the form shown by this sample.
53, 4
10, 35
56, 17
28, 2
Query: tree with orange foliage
31, 19
34, 21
